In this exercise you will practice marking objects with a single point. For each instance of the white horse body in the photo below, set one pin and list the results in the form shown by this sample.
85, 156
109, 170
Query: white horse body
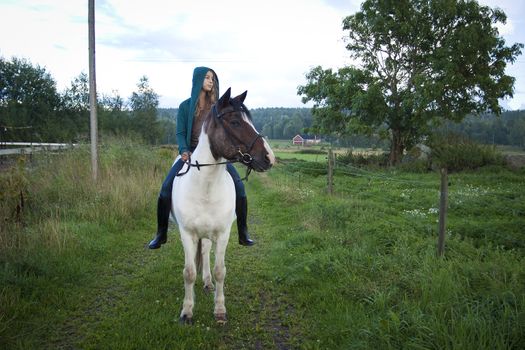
203, 202
203, 199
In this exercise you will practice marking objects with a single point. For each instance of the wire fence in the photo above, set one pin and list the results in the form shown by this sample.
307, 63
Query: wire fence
300, 169
300, 174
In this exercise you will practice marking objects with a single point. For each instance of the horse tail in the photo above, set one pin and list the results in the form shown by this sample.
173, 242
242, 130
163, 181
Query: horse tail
198, 256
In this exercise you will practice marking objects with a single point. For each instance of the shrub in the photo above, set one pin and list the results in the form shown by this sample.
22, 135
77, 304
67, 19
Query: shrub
311, 151
457, 152
14, 184
360, 159
415, 166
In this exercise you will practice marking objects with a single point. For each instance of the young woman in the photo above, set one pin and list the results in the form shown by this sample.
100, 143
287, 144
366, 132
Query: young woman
204, 93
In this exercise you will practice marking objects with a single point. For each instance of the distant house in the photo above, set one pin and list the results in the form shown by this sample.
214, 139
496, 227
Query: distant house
305, 140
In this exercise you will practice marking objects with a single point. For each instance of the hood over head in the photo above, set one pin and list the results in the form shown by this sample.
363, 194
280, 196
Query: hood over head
199, 73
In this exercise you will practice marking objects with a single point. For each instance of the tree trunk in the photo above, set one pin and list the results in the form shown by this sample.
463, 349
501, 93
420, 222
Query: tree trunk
396, 148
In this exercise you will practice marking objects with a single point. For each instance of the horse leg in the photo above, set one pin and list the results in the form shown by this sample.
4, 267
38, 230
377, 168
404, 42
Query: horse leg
220, 274
190, 275
206, 273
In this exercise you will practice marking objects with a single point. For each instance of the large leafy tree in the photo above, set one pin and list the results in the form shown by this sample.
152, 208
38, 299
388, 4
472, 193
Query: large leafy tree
29, 102
419, 62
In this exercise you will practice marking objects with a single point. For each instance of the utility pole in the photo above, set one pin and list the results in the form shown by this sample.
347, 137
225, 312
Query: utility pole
93, 91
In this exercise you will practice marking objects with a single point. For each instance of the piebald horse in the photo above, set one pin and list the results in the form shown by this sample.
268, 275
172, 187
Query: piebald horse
203, 198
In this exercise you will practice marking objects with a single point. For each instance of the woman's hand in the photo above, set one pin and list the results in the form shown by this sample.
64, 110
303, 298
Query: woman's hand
185, 156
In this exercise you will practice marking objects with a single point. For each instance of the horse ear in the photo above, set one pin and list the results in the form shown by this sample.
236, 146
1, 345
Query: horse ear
242, 96
225, 99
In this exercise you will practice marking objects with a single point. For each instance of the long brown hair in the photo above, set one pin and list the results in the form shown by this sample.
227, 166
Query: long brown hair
207, 98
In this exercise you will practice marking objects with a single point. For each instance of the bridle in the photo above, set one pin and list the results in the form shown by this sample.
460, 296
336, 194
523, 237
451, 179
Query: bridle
244, 158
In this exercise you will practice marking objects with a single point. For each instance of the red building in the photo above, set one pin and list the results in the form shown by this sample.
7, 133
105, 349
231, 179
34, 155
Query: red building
305, 140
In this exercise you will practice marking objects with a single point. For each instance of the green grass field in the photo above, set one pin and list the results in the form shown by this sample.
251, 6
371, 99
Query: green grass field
356, 270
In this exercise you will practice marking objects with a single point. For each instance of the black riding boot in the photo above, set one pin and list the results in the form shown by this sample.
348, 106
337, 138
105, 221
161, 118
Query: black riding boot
241, 209
163, 215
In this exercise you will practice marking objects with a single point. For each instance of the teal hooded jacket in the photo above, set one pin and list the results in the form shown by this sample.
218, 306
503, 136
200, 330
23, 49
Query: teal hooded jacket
187, 108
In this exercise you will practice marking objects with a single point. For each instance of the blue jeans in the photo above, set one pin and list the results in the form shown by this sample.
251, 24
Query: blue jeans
167, 185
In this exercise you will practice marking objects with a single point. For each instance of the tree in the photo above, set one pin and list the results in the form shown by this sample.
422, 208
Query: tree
76, 104
76, 97
278, 129
267, 130
144, 105
293, 126
420, 62
517, 133
112, 116
29, 102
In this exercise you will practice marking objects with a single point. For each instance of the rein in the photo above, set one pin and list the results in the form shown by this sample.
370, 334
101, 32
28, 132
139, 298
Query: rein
199, 165
245, 158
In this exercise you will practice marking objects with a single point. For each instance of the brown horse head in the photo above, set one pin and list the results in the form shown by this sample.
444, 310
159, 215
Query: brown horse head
233, 136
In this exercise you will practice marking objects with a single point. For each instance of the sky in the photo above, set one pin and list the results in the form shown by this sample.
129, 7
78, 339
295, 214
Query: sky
265, 47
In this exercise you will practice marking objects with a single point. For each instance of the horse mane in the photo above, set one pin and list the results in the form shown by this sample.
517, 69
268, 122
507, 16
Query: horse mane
211, 123
238, 105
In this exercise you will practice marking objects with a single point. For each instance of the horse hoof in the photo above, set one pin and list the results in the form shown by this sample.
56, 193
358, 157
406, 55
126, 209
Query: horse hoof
221, 319
185, 320
209, 289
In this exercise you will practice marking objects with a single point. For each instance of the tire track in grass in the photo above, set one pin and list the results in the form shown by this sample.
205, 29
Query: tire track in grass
272, 323
270, 309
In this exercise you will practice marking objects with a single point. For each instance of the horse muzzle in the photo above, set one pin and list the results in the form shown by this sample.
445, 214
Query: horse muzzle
262, 162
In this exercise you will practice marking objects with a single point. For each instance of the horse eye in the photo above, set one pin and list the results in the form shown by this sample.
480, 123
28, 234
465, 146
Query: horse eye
235, 123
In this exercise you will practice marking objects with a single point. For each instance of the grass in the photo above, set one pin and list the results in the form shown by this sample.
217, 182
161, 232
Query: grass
511, 150
365, 262
354, 270
284, 150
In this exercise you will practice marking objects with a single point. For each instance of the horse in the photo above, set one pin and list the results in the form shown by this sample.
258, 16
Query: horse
203, 198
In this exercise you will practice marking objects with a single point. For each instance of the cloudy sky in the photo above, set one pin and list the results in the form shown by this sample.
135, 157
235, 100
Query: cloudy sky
265, 47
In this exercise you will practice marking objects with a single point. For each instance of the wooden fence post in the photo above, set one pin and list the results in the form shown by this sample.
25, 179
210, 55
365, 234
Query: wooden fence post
331, 162
443, 204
